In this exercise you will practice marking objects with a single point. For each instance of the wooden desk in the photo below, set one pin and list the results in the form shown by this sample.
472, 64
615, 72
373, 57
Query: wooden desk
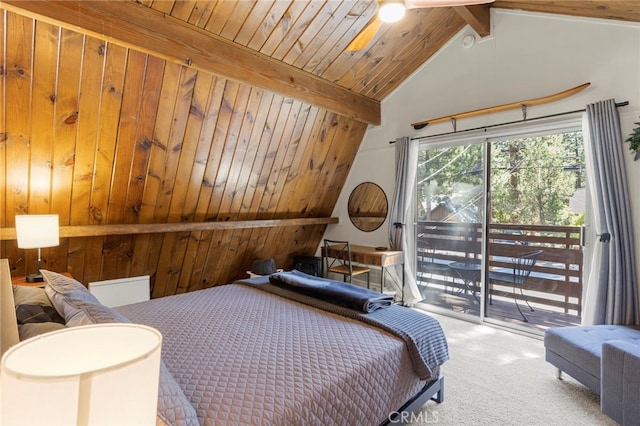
367, 255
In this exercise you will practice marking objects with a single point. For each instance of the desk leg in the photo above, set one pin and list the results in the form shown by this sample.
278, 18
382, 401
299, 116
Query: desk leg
382, 279
402, 299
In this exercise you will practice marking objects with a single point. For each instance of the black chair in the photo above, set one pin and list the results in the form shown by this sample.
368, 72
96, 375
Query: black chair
337, 258
427, 264
522, 266
263, 267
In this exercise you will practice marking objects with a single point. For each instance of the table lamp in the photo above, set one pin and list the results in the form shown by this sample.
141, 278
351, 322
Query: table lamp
37, 231
101, 374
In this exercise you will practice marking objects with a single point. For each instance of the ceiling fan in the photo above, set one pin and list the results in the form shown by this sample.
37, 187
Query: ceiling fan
393, 10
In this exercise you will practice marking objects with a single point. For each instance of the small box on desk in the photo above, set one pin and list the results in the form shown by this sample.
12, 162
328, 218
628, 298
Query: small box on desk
311, 265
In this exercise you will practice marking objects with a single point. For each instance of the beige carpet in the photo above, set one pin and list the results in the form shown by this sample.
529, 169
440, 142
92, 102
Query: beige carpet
495, 377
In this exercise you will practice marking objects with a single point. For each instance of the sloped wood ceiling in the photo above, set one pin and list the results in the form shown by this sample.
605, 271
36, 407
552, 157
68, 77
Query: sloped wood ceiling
105, 132
101, 134
312, 36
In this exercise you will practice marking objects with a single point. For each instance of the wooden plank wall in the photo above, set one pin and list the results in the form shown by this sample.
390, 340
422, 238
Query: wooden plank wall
101, 134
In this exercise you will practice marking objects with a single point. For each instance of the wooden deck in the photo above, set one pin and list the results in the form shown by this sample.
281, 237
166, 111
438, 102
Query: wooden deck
501, 309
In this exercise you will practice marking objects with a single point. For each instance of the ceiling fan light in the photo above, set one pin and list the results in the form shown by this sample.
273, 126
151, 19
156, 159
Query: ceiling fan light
391, 11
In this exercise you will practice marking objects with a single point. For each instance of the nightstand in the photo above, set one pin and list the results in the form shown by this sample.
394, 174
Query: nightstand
23, 281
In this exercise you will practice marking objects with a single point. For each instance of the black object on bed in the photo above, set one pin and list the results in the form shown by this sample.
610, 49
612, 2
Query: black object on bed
343, 294
263, 267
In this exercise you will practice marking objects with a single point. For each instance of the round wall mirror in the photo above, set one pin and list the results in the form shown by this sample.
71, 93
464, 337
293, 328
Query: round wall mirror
367, 206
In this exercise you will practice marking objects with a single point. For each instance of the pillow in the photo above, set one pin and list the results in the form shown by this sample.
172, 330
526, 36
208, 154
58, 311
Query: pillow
33, 305
23, 295
59, 283
33, 329
37, 313
63, 291
80, 312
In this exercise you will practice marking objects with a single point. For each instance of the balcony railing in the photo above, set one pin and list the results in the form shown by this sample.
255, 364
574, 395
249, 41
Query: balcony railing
555, 282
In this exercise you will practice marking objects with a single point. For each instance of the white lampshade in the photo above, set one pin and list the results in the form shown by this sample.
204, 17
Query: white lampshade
37, 230
104, 374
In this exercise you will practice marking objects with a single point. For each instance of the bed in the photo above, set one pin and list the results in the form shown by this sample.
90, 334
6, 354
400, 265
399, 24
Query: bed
246, 353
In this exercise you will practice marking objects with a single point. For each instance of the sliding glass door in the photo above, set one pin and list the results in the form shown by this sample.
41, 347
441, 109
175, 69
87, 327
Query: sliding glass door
498, 228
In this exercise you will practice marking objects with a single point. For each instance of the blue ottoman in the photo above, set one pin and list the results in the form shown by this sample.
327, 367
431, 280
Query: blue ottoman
577, 350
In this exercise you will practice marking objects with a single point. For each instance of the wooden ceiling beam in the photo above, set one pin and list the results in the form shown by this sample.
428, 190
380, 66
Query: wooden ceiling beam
135, 26
623, 10
477, 16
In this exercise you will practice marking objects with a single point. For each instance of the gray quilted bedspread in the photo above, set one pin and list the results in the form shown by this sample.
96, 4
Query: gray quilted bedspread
422, 334
244, 356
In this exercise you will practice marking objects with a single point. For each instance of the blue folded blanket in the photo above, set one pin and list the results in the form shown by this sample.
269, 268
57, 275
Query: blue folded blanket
343, 294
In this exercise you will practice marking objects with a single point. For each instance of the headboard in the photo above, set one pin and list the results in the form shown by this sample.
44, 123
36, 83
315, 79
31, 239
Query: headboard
8, 321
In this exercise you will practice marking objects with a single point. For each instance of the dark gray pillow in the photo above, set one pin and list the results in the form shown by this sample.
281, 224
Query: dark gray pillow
37, 313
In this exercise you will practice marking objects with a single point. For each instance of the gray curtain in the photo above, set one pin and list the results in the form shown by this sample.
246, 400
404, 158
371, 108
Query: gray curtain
402, 215
611, 293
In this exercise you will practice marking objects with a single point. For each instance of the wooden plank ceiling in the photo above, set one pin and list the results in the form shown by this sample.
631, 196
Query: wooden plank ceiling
312, 35
163, 112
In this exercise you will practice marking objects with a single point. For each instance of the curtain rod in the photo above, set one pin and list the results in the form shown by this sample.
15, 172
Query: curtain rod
618, 105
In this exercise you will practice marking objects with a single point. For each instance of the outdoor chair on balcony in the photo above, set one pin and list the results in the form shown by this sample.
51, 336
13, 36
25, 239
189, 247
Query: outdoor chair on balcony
520, 271
337, 258
427, 264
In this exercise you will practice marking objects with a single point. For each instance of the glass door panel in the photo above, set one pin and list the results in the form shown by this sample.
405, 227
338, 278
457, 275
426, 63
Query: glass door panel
449, 230
537, 187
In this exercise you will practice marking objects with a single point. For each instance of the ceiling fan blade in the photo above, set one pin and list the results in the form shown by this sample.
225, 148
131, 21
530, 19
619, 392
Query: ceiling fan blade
365, 35
415, 4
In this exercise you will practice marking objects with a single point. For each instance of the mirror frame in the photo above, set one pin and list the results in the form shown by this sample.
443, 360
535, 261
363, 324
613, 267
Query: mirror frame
368, 206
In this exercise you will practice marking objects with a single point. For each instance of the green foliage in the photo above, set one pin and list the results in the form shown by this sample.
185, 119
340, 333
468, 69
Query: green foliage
634, 142
532, 180
578, 220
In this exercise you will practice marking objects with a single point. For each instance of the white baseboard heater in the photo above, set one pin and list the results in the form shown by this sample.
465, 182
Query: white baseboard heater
121, 291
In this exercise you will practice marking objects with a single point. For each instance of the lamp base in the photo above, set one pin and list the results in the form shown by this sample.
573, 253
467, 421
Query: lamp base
34, 278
